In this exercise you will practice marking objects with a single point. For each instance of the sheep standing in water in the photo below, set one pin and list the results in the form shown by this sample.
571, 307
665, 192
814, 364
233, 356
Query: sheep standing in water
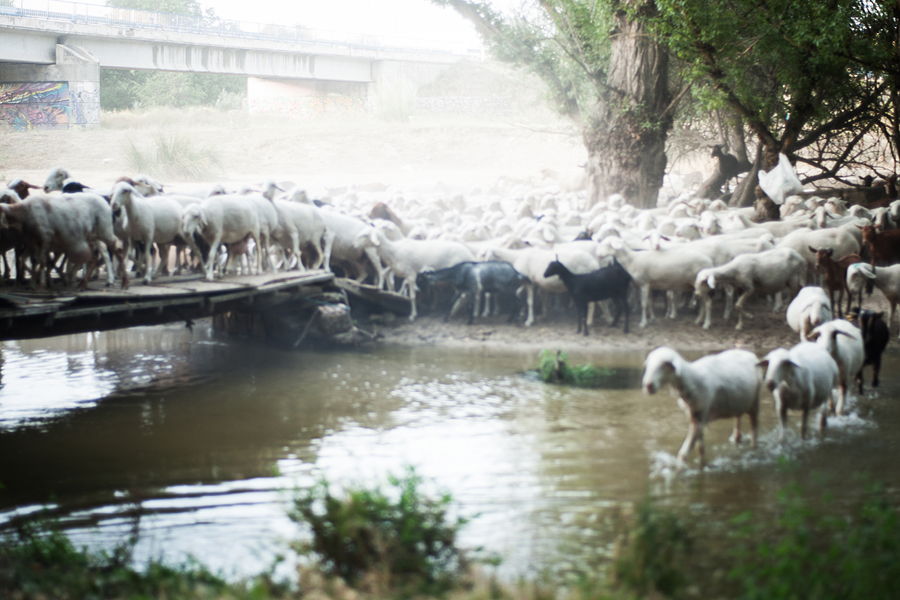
718, 386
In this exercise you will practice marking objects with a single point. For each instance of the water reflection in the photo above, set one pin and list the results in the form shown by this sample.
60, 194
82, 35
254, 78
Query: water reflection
196, 442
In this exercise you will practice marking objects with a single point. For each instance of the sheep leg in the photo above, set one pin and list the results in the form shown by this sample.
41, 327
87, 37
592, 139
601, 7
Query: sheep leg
736, 433
695, 434
672, 309
529, 291
739, 308
412, 298
476, 300
823, 421
729, 301
212, 257
327, 245
876, 368
148, 261
842, 396
582, 309
645, 305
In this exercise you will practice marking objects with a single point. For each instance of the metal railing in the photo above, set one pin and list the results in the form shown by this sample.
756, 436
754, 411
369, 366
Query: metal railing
80, 12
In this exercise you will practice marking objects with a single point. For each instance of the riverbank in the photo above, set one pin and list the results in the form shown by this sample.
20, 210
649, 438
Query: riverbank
764, 332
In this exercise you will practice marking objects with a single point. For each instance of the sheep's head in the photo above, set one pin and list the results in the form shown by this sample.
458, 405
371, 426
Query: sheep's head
193, 220
777, 367
660, 367
56, 179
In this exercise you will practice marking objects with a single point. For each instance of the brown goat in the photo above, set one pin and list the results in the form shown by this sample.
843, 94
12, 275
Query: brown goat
834, 274
883, 246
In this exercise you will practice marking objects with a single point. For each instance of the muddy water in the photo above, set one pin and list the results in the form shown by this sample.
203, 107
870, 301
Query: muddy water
196, 442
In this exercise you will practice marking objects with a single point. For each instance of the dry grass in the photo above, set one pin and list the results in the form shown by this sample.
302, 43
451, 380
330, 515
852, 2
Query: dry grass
334, 150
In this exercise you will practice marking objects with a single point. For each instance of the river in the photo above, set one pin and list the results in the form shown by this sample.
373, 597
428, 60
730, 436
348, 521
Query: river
196, 441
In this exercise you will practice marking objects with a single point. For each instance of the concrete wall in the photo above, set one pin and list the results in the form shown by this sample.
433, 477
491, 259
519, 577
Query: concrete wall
65, 94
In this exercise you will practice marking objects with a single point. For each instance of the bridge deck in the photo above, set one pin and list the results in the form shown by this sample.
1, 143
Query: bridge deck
26, 313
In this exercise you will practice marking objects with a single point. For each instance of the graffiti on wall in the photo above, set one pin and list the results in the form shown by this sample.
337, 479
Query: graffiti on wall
29, 105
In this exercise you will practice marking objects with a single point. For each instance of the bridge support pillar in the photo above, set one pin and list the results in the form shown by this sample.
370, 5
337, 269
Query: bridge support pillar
61, 95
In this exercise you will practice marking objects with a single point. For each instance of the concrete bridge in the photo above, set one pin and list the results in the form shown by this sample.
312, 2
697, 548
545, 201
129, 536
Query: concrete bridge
51, 53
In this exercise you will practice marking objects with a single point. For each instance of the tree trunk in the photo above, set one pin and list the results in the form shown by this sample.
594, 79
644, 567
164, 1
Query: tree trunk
626, 135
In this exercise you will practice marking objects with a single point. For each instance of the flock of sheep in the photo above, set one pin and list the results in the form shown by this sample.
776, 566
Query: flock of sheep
494, 247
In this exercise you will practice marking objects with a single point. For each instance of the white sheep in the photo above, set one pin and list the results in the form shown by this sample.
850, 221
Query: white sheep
886, 279
222, 219
149, 221
353, 242
801, 378
843, 341
717, 386
299, 224
673, 270
810, 308
407, 258
769, 272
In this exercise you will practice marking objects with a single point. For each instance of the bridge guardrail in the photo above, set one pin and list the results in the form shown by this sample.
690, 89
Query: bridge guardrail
80, 12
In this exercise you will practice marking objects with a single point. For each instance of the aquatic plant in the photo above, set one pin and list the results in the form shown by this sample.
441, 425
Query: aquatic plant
394, 538
554, 367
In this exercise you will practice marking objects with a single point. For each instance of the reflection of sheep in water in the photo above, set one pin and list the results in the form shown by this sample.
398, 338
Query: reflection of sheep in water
718, 386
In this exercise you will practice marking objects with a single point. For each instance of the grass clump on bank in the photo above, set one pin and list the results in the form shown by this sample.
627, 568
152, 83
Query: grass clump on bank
554, 367
173, 155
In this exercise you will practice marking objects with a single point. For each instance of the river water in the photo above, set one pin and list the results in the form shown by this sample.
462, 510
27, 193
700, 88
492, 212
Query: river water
196, 442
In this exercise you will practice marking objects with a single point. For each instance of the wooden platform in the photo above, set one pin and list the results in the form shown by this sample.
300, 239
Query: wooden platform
26, 313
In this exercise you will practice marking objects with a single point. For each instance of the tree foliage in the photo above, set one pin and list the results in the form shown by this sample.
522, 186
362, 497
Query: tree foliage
785, 68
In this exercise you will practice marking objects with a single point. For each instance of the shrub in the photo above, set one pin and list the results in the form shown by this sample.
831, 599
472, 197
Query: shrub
652, 553
173, 155
396, 538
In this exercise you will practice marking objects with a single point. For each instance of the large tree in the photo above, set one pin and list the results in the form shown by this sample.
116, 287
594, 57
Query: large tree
605, 72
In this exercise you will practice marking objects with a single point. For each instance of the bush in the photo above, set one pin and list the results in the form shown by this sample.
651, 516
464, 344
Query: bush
395, 539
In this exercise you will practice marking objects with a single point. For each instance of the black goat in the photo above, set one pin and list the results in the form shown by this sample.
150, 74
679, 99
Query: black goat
495, 277
875, 335
606, 283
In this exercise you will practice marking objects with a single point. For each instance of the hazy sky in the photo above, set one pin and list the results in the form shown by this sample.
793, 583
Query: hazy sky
412, 18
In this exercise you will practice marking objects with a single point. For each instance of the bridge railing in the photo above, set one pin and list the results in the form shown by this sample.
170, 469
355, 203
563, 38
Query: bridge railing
81, 12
